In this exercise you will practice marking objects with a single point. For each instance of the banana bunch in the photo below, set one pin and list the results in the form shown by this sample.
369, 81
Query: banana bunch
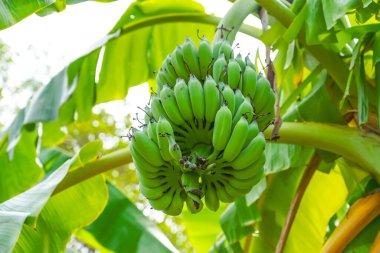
201, 139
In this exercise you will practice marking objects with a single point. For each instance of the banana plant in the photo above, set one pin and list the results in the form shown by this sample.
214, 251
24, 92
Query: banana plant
283, 152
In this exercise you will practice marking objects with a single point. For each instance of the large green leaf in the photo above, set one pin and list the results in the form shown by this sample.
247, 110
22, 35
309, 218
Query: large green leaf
28, 205
12, 12
19, 172
65, 212
14, 212
123, 228
203, 239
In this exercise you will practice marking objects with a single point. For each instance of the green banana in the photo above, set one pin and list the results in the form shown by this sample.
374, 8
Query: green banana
229, 97
171, 75
194, 203
241, 62
222, 194
205, 57
219, 67
174, 149
251, 153
176, 206
244, 110
179, 64
233, 74
182, 95
152, 131
239, 99
156, 107
154, 182
263, 91
156, 192
190, 55
222, 128
212, 102
215, 49
237, 140
170, 106
226, 50
253, 130
256, 169
144, 146
197, 99
161, 79
211, 197
164, 201
164, 132
249, 82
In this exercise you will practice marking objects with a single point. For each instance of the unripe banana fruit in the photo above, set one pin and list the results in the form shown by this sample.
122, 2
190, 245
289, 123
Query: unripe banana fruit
201, 141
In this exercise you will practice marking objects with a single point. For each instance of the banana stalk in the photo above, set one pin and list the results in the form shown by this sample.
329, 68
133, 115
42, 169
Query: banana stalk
361, 213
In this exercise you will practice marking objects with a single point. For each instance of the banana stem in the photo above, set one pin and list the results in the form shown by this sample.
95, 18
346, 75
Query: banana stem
375, 248
354, 144
231, 22
107, 162
358, 217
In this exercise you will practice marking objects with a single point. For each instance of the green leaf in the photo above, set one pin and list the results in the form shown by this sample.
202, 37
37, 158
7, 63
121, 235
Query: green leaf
64, 213
19, 172
203, 239
12, 12
362, 91
14, 212
281, 157
296, 26
336, 9
376, 63
316, 29
123, 228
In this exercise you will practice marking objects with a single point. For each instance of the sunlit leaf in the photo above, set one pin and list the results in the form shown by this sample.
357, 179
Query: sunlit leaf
123, 228
58, 219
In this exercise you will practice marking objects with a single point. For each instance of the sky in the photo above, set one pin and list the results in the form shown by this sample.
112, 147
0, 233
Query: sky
57, 39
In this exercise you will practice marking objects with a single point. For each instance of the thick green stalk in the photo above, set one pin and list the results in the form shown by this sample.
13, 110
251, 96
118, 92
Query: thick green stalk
231, 22
107, 162
353, 144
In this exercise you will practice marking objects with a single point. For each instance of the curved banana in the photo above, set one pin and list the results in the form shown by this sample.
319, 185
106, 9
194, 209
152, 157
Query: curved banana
174, 149
253, 130
179, 64
226, 50
222, 194
156, 107
263, 91
211, 197
237, 140
154, 182
152, 131
229, 98
170, 106
176, 206
251, 153
249, 82
239, 99
143, 145
205, 57
197, 99
212, 102
249, 63
190, 55
164, 132
239, 59
233, 74
216, 48
169, 71
194, 203
155, 193
222, 128
161, 79
219, 67
244, 110
164, 201
182, 95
